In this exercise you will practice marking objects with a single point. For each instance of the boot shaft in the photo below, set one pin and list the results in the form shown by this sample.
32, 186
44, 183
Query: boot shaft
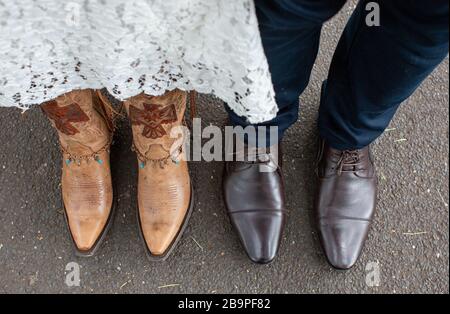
83, 120
152, 120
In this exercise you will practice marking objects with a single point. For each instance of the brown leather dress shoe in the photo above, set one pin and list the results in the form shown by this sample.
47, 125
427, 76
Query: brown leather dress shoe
254, 198
345, 202
83, 120
165, 195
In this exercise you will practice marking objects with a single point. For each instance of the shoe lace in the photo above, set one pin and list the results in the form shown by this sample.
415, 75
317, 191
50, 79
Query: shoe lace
259, 157
348, 160
255, 157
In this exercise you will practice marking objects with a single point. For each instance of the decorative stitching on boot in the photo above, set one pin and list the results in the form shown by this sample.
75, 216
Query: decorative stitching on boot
63, 117
153, 117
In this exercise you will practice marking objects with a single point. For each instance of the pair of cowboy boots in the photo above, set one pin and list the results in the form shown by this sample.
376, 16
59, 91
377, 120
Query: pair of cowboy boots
84, 122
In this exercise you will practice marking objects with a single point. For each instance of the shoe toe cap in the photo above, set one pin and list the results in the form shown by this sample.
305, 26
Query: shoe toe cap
260, 233
343, 240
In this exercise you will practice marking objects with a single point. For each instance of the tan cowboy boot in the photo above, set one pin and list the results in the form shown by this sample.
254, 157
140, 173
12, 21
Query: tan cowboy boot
83, 120
164, 187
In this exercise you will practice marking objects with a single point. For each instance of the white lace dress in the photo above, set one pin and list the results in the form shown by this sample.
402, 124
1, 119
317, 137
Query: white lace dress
50, 47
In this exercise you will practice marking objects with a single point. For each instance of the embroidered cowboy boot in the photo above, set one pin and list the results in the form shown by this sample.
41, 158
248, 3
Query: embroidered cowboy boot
83, 120
165, 198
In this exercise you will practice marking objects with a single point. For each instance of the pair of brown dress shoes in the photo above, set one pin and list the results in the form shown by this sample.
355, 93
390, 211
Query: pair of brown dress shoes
84, 121
344, 206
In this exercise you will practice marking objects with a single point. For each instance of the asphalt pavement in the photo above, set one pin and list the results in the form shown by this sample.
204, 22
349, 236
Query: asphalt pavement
408, 243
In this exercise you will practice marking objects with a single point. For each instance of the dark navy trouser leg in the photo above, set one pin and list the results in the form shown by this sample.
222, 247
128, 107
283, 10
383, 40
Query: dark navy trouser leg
290, 31
376, 68
373, 69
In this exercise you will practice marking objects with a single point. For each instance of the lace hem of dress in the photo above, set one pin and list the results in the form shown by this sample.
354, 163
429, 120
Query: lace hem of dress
257, 115
133, 47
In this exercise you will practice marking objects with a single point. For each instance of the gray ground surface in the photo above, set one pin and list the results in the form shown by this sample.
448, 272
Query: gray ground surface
409, 238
